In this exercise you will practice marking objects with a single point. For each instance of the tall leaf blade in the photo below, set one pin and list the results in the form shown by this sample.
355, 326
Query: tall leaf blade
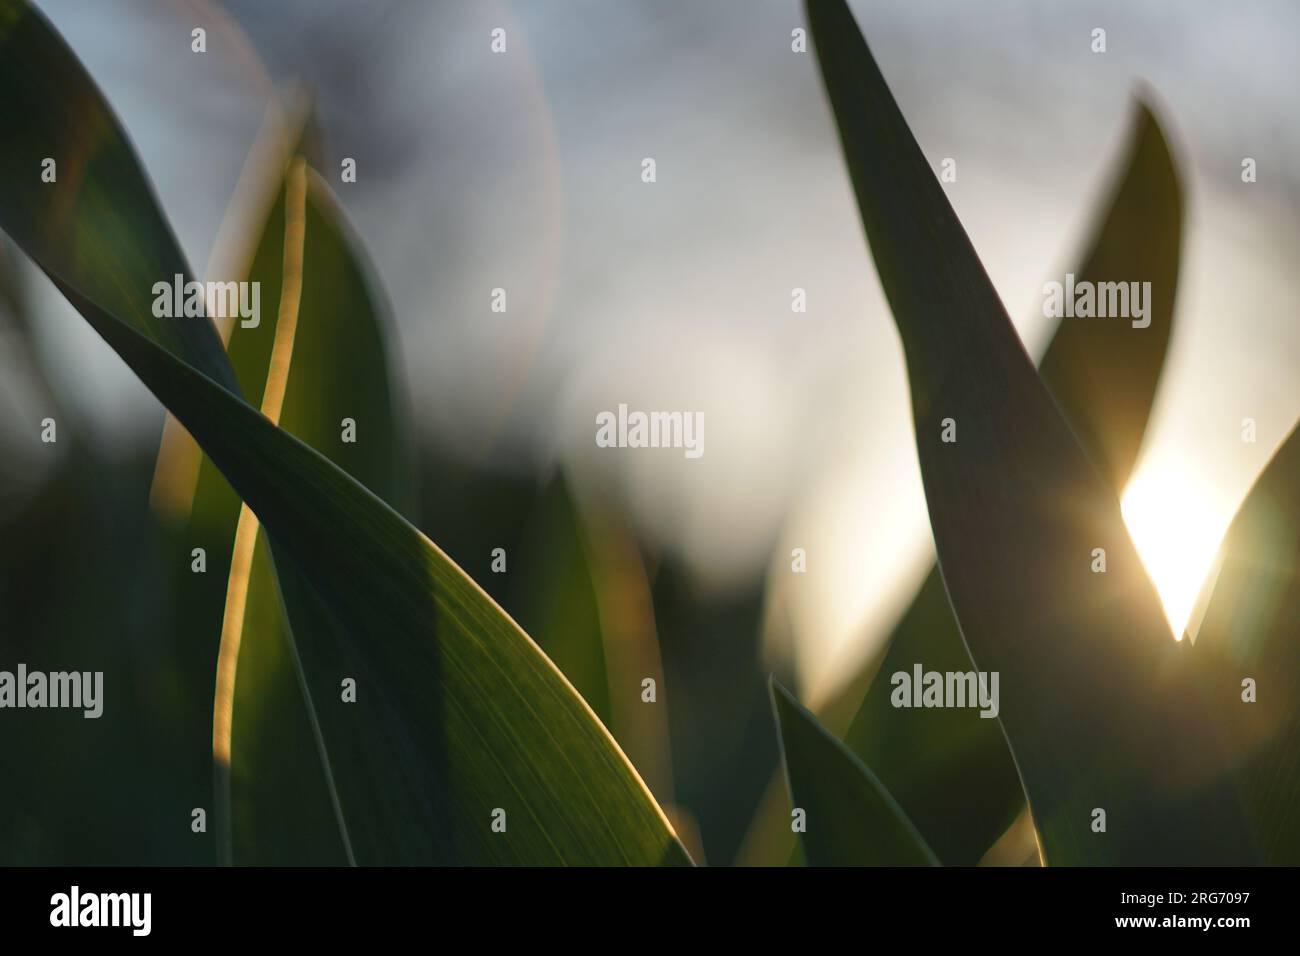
281, 800
950, 769
850, 819
1103, 373
1096, 702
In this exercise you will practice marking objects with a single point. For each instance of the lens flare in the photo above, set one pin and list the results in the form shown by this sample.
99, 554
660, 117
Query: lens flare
1176, 522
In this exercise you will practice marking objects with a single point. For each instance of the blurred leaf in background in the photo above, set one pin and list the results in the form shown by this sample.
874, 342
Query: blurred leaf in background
78, 791
1247, 652
339, 370
274, 800
724, 747
581, 588
553, 594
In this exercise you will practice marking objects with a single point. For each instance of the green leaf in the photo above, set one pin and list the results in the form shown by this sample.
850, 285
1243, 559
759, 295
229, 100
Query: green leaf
275, 802
578, 585
554, 596
53, 111
1103, 373
850, 817
950, 769
457, 713
273, 782
1251, 629
1096, 702
720, 711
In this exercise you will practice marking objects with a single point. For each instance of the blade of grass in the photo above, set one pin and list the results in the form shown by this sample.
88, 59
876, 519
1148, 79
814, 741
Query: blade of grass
276, 797
850, 818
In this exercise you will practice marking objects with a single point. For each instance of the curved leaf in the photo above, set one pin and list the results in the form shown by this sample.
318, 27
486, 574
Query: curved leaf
53, 111
282, 803
458, 714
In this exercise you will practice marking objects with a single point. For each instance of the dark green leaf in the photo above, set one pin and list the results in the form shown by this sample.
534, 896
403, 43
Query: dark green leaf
1096, 701
52, 110
282, 800
554, 597
949, 768
1251, 629
850, 818
579, 586
724, 752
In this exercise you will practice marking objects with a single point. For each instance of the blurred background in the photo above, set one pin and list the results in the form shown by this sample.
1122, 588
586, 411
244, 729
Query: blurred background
522, 171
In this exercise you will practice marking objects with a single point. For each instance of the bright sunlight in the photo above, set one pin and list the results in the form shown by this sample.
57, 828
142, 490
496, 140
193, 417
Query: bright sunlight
1177, 522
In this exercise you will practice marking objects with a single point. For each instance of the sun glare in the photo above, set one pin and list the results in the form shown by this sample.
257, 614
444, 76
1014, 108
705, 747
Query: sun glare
1177, 523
